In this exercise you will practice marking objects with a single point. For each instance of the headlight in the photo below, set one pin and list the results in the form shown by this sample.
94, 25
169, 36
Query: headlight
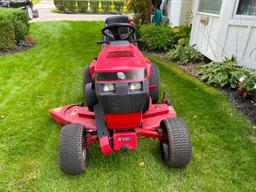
135, 86
108, 87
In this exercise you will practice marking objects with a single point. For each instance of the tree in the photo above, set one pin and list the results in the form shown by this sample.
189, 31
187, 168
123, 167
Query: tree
142, 10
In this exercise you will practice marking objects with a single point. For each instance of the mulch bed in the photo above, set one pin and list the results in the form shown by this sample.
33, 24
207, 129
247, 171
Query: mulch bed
245, 105
18, 48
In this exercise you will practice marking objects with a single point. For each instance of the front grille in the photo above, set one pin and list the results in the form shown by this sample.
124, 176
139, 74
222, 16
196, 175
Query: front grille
122, 100
129, 75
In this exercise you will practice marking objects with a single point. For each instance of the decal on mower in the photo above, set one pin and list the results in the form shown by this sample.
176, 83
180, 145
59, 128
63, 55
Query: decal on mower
121, 76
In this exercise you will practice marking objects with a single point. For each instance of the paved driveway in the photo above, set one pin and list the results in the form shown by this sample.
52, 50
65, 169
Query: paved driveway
45, 8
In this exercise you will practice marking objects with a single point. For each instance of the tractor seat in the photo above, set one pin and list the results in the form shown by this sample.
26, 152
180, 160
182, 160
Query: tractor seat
117, 19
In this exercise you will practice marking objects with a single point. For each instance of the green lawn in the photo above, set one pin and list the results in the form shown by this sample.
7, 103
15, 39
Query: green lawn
50, 75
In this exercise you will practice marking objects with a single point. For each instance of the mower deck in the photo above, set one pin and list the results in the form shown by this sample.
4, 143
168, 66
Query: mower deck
71, 114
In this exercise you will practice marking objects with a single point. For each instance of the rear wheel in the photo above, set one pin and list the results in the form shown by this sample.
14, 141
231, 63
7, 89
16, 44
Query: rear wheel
88, 89
86, 79
72, 150
154, 81
176, 146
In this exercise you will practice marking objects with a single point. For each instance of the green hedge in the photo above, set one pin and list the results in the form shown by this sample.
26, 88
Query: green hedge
89, 6
14, 27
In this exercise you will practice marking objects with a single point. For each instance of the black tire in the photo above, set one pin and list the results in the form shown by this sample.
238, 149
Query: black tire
86, 79
91, 98
176, 148
72, 151
155, 81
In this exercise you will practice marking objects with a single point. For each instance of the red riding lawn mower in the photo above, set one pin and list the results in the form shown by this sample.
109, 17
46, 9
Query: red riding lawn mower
121, 89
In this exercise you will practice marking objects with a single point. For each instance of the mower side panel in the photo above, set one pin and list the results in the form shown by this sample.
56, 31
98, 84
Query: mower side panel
74, 114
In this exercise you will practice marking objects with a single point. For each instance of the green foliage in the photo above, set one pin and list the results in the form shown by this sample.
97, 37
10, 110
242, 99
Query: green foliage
82, 6
59, 4
183, 55
249, 82
94, 6
7, 35
182, 34
141, 9
106, 6
227, 73
70, 6
157, 38
119, 5
14, 27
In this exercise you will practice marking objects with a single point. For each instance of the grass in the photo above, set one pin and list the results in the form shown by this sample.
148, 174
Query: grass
50, 75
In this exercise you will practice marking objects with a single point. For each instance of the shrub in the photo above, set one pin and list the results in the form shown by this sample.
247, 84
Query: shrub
7, 35
14, 27
157, 38
182, 34
69, 6
59, 4
94, 6
183, 55
82, 6
119, 5
106, 6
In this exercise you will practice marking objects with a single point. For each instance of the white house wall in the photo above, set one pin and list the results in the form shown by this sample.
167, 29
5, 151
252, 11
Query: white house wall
225, 35
175, 12
178, 11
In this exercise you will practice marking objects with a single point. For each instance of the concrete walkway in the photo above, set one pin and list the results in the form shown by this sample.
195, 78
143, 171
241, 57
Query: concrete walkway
45, 8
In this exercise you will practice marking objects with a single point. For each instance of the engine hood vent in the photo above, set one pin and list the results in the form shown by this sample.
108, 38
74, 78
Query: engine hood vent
114, 54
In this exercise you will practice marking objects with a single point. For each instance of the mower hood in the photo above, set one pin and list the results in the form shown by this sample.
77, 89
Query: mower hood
120, 59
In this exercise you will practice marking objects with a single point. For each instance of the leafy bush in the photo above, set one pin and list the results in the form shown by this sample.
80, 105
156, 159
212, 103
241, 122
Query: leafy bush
70, 6
82, 6
119, 5
106, 6
94, 6
7, 35
249, 82
157, 38
59, 4
227, 73
14, 27
183, 55
182, 34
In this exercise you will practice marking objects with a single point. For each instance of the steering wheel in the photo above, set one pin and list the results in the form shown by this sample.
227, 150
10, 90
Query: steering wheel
113, 31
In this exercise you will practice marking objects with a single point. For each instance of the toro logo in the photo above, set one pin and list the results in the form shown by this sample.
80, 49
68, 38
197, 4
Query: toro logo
121, 75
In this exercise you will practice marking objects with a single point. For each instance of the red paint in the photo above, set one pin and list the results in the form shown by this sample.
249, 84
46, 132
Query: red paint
120, 121
105, 146
125, 139
120, 58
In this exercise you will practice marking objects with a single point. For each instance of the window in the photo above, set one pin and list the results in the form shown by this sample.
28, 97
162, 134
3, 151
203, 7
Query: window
246, 7
210, 6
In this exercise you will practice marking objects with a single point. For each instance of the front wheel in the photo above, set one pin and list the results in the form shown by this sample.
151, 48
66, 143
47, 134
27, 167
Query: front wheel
176, 146
72, 150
